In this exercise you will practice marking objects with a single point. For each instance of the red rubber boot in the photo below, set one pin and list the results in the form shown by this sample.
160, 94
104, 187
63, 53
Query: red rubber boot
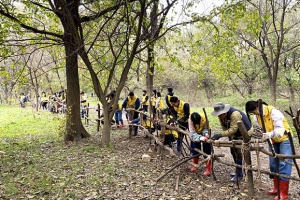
284, 190
208, 168
274, 191
195, 161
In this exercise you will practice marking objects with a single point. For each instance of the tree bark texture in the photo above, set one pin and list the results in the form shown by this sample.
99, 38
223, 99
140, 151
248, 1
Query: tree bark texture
69, 19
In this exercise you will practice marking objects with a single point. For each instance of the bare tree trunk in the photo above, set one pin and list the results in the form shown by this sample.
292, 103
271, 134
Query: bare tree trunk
150, 76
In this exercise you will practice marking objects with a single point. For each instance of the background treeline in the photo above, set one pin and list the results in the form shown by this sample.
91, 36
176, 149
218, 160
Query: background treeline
239, 50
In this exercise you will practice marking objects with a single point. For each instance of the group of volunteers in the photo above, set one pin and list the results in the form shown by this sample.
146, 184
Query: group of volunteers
274, 123
52, 102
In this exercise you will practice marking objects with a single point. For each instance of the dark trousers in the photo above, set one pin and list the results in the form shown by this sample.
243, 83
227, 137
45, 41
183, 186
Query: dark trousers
181, 136
206, 148
169, 139
145, 107
235, 152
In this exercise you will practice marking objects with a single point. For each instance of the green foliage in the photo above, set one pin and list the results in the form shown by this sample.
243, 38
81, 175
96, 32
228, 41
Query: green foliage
17, 122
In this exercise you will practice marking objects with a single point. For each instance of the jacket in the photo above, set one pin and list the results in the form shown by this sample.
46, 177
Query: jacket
230, 126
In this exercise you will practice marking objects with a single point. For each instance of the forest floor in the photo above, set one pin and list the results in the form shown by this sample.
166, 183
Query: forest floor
54, 170
139, 180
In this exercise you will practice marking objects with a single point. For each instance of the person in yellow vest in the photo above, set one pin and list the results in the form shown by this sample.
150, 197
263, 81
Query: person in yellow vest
153, 102
22, 100
168, 96
118, 116
44, 101
182, 114
170, 135
158, 101
84, 103
145, 100
276, 126
146, 122
198, 128
132, 101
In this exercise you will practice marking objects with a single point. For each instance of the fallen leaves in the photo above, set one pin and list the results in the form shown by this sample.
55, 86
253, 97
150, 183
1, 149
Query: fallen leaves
51, 170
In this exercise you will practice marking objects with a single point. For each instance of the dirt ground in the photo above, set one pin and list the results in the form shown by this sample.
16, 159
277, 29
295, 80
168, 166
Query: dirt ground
137, 179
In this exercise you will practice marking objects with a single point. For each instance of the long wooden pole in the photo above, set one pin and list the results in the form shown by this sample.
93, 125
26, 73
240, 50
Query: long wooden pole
260, 108
211, 146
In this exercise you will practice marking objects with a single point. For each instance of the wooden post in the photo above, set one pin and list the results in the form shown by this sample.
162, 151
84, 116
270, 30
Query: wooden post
247, 157
130, 127
260, 108
87, 114
211, 145
293, 151
295, 121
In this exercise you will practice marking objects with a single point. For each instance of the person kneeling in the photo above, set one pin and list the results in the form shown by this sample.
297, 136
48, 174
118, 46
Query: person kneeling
170, 135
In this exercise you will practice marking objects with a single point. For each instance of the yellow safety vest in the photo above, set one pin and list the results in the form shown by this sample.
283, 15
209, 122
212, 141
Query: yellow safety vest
131, 101
199, 127
153, 101
161, 104
180, 110
146, 102
84, 97
269, 123
119, 106
147, 122
44, 99
168, 131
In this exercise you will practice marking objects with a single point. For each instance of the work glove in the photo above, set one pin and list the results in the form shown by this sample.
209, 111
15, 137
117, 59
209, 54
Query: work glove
267, 135
257, 135
257, 128
203, 139
181, 121
216, 136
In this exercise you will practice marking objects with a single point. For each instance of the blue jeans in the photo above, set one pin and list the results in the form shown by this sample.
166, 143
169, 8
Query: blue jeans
118, 116
284, 168
83, 111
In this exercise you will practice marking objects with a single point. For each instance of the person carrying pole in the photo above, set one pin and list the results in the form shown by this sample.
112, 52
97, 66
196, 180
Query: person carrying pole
276, 126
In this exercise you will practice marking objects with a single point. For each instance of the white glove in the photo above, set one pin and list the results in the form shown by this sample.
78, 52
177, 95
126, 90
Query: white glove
267, 135
203, 139
278, 133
